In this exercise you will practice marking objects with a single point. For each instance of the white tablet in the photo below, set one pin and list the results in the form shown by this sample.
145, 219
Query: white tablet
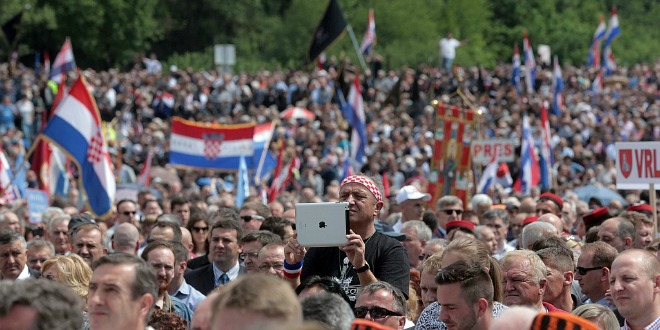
322, 224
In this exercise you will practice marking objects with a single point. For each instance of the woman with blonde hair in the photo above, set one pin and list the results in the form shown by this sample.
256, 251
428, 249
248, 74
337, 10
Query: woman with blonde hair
72, 271
468, 249
600, 315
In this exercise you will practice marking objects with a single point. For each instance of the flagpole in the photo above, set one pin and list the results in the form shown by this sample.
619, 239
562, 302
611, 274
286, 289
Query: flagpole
357, 47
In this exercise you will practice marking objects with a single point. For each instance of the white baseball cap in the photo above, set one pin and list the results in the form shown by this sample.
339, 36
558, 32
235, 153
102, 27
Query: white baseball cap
411, 192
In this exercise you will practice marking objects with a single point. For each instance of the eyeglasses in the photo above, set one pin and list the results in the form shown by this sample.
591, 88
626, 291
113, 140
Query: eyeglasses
200, 229
267, 267
248, 218
583, 271
252, 255
129, 212
449, 212
375, 312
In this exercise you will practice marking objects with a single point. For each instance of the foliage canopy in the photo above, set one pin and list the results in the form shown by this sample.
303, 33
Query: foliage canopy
271, 34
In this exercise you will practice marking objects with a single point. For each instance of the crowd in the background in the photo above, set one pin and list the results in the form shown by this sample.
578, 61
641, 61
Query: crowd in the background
402, 264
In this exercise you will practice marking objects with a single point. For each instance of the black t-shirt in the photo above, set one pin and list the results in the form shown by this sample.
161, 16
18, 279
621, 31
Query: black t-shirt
386, 257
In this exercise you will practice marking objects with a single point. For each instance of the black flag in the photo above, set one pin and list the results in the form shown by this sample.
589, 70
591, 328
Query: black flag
10, 28
332, 26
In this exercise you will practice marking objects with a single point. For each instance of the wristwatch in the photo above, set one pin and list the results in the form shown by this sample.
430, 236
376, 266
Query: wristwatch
363, 268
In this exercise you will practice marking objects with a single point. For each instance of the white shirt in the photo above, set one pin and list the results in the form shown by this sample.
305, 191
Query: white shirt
25, 274
448, 47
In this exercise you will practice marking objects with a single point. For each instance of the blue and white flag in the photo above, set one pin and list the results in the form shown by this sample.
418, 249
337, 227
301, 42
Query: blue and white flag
243, 187
557, 88
515, 70
489, 176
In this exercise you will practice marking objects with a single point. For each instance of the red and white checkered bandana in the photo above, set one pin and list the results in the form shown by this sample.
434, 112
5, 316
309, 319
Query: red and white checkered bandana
365, 181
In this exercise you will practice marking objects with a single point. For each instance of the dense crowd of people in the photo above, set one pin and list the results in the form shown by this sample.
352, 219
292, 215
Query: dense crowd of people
184, 253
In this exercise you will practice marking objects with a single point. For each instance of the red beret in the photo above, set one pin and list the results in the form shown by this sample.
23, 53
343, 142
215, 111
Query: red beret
596, 217
459, 224
643, 208
529, 220
552, 197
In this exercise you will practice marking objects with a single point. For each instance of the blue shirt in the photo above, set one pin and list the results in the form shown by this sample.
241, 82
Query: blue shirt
189, 295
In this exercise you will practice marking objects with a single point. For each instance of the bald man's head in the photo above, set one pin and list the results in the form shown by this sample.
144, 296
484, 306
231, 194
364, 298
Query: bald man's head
126, 238
554, 220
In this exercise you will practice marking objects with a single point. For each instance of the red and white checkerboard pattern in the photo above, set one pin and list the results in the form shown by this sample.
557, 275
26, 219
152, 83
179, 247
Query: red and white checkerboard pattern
365, 181
95, 149
212, 148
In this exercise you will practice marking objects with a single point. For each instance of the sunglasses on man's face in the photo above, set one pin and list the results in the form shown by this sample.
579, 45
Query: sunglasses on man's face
375, 312
583, 271
450, 212
248, 218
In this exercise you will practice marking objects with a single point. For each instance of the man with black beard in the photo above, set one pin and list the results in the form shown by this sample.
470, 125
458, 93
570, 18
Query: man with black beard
160, 256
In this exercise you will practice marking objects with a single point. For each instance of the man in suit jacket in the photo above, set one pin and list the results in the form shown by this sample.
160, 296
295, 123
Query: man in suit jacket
13, 257
224, 249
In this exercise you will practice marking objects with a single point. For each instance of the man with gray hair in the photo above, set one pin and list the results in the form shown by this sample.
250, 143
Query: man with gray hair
382, 303
617, 232
448, 208
38, 251
329, 309
523, 280
58, 232
126, 238
13, 257
535, 231
498, 221
417, 234
39, 305
480, 204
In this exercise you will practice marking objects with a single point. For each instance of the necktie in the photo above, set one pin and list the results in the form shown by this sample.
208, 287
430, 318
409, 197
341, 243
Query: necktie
224, 279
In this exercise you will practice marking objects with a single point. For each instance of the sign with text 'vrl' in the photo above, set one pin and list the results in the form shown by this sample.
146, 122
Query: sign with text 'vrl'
637, 163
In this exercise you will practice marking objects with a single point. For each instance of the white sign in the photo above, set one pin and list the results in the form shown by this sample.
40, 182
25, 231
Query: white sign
224, 55
637, 163
482, 150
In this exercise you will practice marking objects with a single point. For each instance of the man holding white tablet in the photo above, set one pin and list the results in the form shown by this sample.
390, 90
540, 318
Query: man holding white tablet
367, 256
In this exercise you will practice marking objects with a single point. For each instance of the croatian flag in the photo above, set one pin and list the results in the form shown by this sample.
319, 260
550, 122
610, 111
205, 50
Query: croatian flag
8, 191
76, 128
594, 50
347, 170
64, 62
547, 158
208, 146
530, 64
515, 70
285, 176
359, 134
47, 161
144, 178
369, 39
557, 88
597, 85
504, 176
489, 176
529, 170
263, 161
613, 31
